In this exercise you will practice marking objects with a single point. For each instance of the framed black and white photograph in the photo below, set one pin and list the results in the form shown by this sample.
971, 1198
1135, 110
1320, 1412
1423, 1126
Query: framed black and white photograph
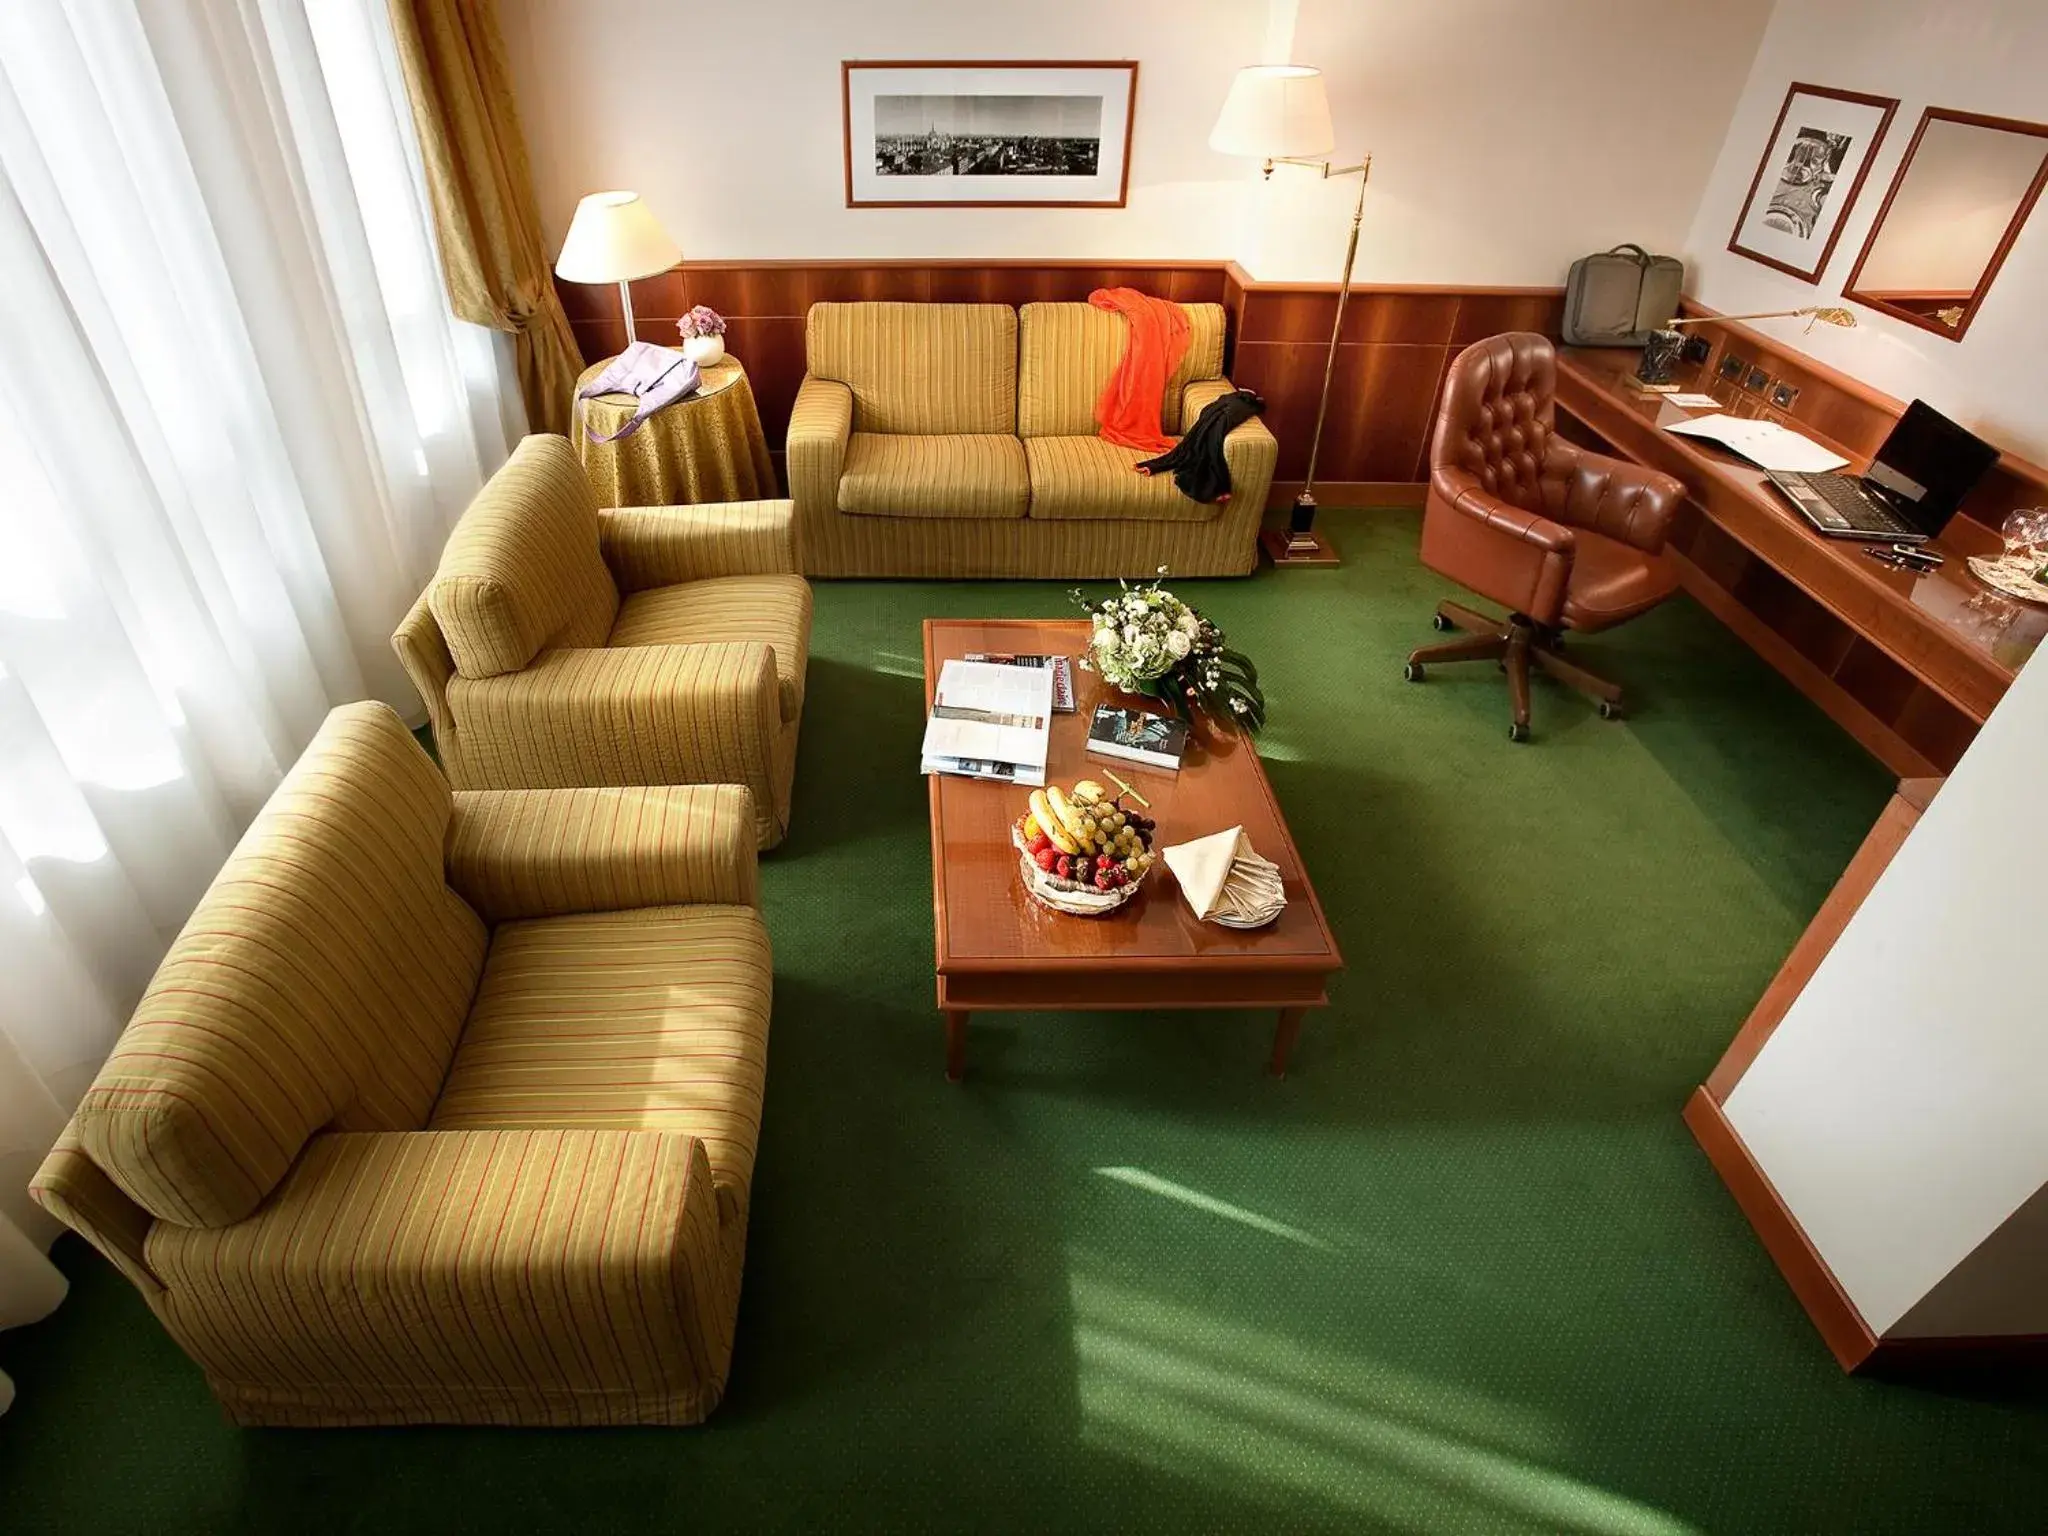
962, 134
1813, 166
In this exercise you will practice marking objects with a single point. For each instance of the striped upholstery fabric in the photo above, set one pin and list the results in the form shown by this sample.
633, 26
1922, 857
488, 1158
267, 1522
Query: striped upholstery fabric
74, 1189
515, 853
366, 1174
647, 714
651, 1020
522, 1276
521, 571
664, 546
919, 368
698, 678
1085, 477
1066, 353
321, 983
773, 609
966, 475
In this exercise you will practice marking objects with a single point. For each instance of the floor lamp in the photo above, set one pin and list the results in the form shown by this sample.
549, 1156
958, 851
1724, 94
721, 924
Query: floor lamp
1280, 115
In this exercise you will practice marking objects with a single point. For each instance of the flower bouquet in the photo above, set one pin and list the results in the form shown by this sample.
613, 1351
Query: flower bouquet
1148, 641
703, 333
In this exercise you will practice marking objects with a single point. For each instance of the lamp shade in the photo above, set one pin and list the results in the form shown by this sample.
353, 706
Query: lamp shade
1275, 112
614, 238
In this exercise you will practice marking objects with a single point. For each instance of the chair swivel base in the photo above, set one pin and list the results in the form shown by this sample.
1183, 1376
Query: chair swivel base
1514, 643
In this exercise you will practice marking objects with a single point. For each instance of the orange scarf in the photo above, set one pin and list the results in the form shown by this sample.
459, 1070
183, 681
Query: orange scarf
1128, 411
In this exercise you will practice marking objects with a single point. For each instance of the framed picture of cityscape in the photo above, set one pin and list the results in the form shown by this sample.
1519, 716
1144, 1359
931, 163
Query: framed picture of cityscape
949, 133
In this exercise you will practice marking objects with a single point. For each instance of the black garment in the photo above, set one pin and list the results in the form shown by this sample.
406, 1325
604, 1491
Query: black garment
1197, 459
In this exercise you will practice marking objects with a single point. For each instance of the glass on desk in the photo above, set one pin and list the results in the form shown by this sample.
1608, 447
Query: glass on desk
2026, 536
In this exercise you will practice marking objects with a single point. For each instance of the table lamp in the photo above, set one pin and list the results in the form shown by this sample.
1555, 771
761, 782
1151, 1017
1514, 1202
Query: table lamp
1279, 114
615, 238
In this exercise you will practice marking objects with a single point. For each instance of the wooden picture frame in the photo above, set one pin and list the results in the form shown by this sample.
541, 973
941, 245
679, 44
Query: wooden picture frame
1055, 154
1796, 230
1969, 304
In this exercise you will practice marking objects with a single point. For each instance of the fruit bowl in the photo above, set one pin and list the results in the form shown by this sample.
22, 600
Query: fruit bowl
1082, 853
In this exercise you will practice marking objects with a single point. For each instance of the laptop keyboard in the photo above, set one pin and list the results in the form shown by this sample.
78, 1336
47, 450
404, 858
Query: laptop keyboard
1857, 509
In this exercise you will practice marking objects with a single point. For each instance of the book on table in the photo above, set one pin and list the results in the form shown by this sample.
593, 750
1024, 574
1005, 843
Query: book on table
990, 720
1157, 741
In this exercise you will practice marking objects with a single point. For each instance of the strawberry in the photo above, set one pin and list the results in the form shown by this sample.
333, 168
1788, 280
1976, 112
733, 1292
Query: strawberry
1065, 867
1045, 857
1040, 843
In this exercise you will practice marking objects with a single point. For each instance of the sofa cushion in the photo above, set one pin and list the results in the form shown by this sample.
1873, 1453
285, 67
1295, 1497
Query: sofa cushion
653, 1020
521, 573
919, 368
775, 610
978, 475
320, 984
1066, 353
1085, 477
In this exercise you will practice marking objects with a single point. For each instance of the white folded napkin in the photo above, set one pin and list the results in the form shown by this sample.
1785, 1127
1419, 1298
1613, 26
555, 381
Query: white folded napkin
1225, 881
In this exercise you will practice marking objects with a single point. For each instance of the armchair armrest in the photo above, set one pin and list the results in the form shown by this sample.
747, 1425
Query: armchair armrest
464, 1268
643, 714
820, 426
1625, 501
665, 546
1520, 559
1461, 490
516, 853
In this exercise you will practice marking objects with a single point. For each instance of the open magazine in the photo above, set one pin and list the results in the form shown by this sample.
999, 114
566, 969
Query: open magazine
990, 721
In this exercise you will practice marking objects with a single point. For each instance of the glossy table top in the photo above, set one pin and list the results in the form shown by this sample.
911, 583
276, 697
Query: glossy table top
2000, 631
986, 922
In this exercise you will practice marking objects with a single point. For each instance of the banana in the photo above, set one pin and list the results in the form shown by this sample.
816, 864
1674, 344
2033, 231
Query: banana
1087, 791
1069, 816
1050, 824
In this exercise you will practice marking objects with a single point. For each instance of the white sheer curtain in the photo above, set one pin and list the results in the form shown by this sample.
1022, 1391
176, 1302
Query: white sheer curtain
236, 423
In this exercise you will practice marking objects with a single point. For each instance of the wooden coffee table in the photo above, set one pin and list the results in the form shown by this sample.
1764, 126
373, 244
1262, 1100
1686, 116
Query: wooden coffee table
998, 949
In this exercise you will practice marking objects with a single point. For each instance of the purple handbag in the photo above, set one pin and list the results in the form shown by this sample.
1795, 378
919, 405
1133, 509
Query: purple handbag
657, 375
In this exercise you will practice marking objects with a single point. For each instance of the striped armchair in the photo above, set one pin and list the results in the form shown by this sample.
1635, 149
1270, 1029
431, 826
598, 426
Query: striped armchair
960, 440
560, 645
442, 1109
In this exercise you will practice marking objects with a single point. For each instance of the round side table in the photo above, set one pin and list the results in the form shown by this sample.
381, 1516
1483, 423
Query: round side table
705, 447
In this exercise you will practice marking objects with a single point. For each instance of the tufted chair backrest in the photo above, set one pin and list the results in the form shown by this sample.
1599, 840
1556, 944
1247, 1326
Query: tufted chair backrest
1498, 418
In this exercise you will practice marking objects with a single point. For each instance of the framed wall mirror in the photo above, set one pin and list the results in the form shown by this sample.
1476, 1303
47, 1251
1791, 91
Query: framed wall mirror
1955, 208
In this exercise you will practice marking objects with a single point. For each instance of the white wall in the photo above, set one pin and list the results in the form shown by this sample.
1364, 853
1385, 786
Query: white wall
1503, 141
1899, 1107
1980, 56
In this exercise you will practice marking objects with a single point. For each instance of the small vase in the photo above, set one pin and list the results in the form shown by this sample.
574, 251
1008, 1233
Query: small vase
704, 350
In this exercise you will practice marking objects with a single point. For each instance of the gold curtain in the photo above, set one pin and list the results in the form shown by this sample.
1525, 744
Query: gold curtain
488, 225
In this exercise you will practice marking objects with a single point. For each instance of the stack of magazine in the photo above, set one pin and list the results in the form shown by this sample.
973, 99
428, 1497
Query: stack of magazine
990, 720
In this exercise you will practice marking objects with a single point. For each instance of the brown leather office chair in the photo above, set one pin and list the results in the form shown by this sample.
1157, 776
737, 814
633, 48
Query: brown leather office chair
1564, 539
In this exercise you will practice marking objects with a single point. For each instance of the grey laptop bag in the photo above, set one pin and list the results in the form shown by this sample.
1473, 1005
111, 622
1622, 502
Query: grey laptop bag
1615, 299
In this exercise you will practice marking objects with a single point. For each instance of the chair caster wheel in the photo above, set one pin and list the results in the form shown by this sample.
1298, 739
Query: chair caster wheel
1440, 624
1611, 711
1518, 732
1413, 672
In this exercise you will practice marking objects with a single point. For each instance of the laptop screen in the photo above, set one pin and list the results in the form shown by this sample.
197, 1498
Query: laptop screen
1928, 465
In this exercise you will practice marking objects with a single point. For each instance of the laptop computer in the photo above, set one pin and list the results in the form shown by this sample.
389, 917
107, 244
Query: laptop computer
1914, 484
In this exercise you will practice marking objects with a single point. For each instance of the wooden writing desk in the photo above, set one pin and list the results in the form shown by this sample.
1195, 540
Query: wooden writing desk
1910, 666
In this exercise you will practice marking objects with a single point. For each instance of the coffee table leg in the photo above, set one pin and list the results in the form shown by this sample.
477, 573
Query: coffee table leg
956, 1044
1284, 1034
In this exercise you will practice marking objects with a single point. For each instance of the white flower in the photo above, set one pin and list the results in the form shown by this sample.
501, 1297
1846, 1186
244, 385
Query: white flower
1189, 624
1178, 644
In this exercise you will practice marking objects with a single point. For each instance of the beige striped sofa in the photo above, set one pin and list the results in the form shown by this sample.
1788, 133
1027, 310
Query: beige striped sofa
443, 1109
959, 440
560, 645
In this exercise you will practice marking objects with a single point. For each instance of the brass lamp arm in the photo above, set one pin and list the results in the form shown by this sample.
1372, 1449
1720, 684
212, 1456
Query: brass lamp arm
1833, 314
1363, 168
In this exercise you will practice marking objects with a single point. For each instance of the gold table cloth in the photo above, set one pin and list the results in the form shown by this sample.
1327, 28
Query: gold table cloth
706, 447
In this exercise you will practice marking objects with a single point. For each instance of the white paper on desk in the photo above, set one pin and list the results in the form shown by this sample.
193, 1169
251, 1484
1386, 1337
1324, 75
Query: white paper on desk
987, 712
1764, 443
1692, 402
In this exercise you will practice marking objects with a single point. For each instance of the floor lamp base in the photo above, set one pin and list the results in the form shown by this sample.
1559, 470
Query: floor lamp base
1285, 549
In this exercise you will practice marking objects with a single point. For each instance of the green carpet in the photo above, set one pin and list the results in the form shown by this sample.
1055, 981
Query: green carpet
1463, 1271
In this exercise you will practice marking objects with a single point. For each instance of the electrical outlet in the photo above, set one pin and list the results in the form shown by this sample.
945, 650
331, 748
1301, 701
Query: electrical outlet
1732, 366
1783, 394
1756, 381
1697, 348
